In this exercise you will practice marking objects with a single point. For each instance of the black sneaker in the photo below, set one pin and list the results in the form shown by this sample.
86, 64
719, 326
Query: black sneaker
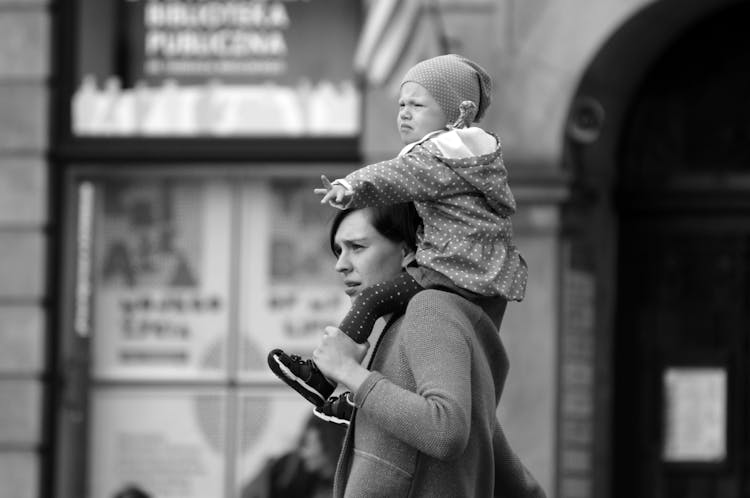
336, 409
302, 375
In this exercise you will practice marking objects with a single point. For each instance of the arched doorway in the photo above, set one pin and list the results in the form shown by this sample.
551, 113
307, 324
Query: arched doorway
661, 186
682, 321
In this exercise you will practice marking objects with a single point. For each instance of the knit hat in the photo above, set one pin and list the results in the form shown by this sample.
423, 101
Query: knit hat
452, 79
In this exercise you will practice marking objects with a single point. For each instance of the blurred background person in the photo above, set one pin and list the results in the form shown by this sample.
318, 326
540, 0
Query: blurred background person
304, 472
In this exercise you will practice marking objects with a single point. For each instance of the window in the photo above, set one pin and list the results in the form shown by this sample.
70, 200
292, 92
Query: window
181, 287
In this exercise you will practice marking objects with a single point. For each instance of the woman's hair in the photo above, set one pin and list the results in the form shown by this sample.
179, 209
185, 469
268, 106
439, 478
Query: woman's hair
395, 222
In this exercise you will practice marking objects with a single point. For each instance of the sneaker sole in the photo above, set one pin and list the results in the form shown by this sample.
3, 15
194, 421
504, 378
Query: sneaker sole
329, 418
283, 373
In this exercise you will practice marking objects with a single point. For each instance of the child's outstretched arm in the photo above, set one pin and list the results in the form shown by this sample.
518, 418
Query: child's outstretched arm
412, 177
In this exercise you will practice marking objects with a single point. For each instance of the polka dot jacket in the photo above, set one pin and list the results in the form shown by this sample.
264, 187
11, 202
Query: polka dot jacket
459, 185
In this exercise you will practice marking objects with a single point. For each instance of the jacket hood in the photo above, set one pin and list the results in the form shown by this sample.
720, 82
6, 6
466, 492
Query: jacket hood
462, 143
476, 156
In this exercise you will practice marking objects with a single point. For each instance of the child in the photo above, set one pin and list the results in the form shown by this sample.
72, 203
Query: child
455, 176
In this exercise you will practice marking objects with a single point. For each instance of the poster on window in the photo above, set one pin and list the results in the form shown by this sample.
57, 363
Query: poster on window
290, 288
695, 413
165, 443
161, 279
223, 67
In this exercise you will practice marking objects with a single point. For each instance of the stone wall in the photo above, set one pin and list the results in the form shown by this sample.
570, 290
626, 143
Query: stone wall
24, 95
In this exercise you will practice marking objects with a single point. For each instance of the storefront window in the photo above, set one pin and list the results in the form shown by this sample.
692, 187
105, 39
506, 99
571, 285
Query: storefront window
216, 68
182, 287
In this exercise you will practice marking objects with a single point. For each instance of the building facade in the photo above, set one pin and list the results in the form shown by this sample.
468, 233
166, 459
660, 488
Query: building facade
625, 131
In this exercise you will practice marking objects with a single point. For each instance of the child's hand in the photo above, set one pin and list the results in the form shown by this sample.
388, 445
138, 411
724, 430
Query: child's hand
336, 195
340, 358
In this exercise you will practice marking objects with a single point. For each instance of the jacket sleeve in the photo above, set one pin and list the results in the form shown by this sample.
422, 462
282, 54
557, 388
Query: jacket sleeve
512, 478
416, 176
436, 418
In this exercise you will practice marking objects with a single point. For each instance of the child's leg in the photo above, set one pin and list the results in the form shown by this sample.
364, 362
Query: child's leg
378, 300
373, 302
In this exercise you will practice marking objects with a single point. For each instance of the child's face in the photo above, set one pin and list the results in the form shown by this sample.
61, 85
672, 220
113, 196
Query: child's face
419, 113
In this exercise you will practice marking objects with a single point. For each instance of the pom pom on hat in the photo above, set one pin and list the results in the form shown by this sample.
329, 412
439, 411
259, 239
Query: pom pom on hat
452, 79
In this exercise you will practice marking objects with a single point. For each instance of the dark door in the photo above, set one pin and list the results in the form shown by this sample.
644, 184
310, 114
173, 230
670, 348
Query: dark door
683, 357
682, 353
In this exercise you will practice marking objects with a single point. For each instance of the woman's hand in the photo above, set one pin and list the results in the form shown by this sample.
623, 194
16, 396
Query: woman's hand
340, 358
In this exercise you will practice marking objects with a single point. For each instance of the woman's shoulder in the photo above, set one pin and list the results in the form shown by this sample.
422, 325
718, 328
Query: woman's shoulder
435, 303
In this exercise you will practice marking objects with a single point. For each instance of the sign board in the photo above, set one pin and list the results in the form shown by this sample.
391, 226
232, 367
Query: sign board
240, 41
695, 414
161, 279
219, 68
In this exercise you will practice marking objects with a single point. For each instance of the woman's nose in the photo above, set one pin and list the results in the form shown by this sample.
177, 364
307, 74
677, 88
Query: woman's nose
342, 263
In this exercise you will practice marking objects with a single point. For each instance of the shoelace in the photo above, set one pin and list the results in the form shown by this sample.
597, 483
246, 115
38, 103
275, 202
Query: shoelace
299, 361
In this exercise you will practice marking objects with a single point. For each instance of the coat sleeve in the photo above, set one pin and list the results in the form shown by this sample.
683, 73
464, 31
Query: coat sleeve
512, 478
416, 176
436, 418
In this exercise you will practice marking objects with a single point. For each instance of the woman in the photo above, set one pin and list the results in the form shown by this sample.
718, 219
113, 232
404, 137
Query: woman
424, 421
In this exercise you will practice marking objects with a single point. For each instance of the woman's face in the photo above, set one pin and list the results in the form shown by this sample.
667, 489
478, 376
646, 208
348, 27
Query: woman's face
311, 451
364, 256
418, 114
